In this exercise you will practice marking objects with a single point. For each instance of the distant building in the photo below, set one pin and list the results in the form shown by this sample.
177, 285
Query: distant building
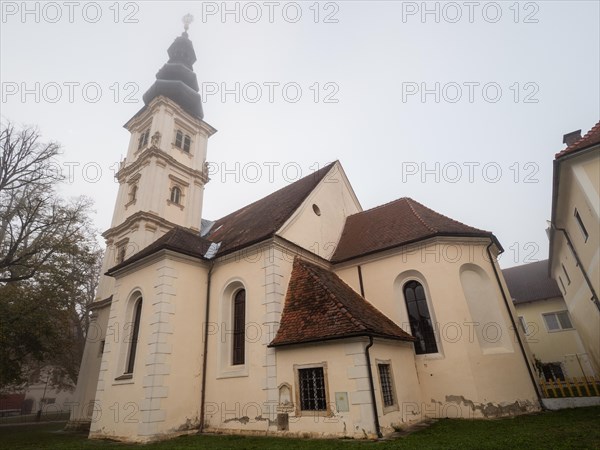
575, 234
553, 339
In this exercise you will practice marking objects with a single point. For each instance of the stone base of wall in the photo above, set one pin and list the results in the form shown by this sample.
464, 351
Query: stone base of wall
78, 425
137, 439
289, 434
554, 404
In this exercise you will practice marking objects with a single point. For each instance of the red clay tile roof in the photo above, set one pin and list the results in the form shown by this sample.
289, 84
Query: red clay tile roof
261, 219
178, 239
319, 306
591, 138
396, 223
530, 282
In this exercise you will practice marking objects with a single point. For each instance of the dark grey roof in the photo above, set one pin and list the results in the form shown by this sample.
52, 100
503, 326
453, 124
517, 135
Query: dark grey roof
530, 282
177, 80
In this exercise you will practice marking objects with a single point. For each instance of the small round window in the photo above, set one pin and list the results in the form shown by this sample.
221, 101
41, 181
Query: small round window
316, 209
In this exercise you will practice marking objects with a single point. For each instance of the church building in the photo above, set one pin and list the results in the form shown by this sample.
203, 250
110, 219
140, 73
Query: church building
300, 314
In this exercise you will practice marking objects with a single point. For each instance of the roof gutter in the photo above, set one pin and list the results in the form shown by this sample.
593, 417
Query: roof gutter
485, 234
358, 334
514, 325
372, 388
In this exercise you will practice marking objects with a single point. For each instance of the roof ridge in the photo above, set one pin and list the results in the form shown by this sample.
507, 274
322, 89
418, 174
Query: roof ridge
425, 224
379, 206
540, 262
243, 208
449, 218
576, 145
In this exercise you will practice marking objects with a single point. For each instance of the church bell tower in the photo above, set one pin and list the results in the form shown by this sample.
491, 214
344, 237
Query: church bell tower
162, 178
161, 186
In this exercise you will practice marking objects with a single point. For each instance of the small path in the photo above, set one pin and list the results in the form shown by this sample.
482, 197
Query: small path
410, 429
41, 422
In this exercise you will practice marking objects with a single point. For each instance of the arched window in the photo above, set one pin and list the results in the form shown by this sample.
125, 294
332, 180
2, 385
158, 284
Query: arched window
137, 313
420, 320
175, 195
239, 327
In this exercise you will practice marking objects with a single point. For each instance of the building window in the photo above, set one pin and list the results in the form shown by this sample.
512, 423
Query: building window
183, 141
419, 318
311, 383
176, 195
552, 371
566, 274
573, 254
239, 327
135, 331
101, 349
143, 140
581, 226
562, 285
557, 321
523, 324
387, 385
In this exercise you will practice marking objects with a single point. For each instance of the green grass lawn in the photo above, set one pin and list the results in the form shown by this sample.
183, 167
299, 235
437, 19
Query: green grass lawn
572, 428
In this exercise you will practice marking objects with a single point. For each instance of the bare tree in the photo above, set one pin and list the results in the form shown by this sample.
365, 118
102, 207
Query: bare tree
49, 263
34, 222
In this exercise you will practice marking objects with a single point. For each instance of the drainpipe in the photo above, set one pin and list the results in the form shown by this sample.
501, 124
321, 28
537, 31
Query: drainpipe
580, 265
372, 386
512, 320
204, 356
368, 358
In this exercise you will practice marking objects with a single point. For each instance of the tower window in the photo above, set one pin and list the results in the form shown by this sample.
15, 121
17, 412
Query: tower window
176, 195
419, 317
143, 140
239, 327
183, 141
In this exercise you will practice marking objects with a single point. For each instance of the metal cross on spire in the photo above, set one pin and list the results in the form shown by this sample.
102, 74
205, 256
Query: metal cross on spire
187, 19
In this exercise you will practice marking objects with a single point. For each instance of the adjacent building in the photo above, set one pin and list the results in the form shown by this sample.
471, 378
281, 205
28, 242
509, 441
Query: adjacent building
574, 234
557, 348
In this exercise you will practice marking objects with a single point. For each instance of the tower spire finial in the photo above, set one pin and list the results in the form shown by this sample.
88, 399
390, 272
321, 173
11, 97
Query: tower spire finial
187, 19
